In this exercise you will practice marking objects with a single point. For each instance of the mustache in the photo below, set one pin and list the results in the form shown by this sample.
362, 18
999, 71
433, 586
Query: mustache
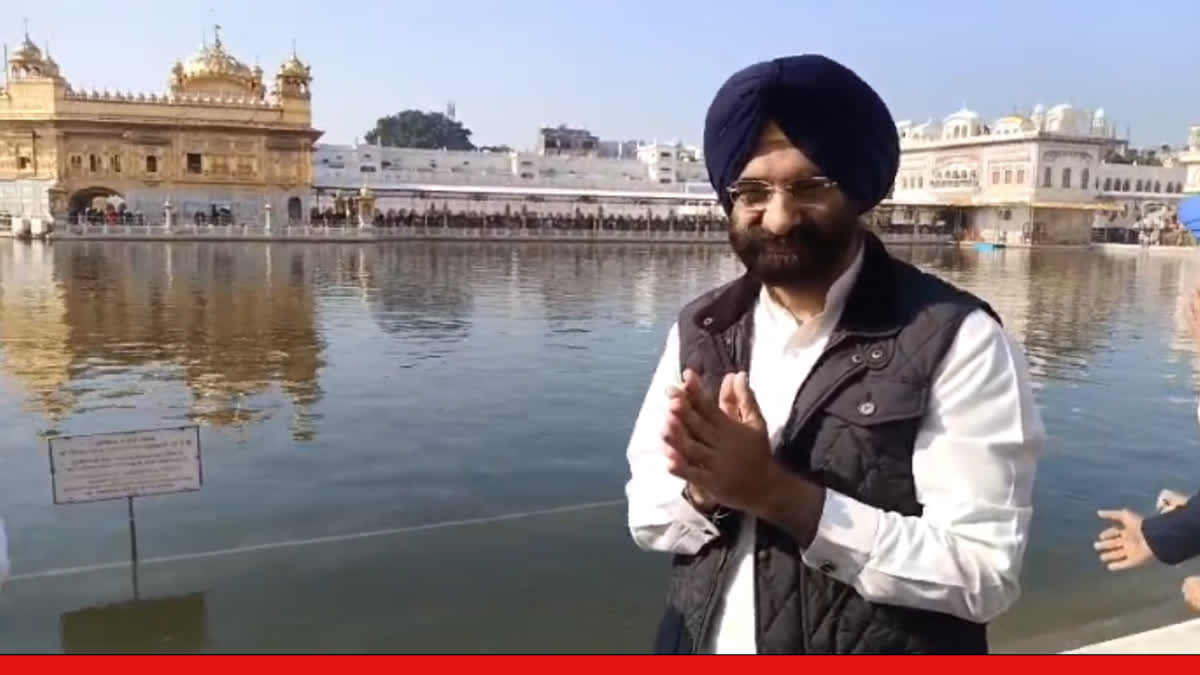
800, 236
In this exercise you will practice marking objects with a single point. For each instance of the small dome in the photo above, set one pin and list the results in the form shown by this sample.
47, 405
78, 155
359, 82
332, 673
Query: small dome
1011, 124
27, 52
963, 113
295, 68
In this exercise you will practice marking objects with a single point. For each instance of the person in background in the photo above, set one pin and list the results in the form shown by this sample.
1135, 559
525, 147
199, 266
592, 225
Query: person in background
838, 448
1172, 536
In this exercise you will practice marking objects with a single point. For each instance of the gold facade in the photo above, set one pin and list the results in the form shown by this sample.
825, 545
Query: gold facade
216, 131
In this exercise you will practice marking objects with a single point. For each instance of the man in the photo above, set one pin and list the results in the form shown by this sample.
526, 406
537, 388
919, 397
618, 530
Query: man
1172, 536
838, 448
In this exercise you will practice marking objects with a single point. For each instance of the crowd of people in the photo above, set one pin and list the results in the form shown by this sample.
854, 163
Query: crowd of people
521, 220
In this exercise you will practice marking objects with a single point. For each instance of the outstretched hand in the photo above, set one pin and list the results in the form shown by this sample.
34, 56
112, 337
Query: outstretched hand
1123, 546
720, 448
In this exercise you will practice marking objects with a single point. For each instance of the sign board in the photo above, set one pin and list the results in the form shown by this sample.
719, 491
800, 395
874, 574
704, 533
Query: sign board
99, 467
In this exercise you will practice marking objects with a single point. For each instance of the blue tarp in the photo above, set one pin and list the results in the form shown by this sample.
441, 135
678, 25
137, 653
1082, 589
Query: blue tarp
1189, 215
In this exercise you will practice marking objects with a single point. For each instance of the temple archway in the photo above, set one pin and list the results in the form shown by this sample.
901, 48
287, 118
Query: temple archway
96, 197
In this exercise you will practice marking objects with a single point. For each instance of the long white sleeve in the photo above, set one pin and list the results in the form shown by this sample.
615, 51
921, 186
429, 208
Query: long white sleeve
660, 519
973, 464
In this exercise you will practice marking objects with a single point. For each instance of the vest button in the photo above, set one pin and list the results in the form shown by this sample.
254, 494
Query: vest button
856, 359
707, 321
876, 354
866, 408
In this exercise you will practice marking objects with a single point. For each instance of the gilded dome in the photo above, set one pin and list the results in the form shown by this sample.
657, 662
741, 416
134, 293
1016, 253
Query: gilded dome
215, 62
214, 71
27, 52
295, 68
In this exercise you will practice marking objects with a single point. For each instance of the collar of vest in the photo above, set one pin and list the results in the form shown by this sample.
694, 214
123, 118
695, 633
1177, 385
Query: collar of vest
870, 309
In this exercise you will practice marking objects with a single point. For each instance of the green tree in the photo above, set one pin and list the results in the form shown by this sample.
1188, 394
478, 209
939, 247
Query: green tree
420, 129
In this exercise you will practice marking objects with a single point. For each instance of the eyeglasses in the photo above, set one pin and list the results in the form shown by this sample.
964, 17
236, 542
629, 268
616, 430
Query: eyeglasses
756, 194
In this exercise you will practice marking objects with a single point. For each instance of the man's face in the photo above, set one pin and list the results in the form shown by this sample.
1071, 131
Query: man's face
789, 225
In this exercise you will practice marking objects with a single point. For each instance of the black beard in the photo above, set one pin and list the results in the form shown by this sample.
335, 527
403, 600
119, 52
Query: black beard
808, 255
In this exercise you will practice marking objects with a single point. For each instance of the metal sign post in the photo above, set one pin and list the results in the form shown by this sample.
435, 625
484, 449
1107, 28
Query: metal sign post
133, 556
124, 465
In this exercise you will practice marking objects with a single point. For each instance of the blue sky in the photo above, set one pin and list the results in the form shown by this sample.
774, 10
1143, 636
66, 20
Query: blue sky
647, 69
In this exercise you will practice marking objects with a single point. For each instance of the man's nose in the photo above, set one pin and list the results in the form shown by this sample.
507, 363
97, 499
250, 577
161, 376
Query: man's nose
780, 215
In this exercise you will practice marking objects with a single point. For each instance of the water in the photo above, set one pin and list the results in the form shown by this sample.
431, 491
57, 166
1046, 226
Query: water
412, 391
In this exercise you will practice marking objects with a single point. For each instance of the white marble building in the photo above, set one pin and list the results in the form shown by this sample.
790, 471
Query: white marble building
657, 167
1190, 160
1036, 179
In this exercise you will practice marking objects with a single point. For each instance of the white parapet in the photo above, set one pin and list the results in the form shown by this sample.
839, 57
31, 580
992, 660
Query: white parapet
1179, 638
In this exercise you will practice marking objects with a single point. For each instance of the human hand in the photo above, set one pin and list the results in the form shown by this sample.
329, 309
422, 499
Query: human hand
1123, 546
1169, 500
721, 449
1191, 592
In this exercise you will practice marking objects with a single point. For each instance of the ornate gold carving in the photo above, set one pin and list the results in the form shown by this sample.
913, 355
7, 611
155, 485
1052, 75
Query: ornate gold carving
87, 138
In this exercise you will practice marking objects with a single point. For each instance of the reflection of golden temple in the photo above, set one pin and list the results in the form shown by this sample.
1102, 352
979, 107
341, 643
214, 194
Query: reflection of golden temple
237, 332
33, 331
216, 144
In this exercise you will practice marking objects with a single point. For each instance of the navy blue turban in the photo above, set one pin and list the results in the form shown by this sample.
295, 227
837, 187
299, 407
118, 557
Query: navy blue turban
825, 110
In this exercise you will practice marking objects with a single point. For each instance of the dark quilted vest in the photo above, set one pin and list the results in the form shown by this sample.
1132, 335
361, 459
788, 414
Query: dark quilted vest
852, 429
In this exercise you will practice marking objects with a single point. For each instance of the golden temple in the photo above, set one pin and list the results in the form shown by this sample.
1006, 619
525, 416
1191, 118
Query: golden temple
216, 144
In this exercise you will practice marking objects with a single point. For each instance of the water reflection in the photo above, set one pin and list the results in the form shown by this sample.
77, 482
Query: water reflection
419, 297
1060, 304
443, 382
96, 326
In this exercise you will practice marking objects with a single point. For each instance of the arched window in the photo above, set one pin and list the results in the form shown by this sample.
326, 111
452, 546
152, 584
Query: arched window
1138, 186
1107, 184
1157, 186
151, 164
1125, 186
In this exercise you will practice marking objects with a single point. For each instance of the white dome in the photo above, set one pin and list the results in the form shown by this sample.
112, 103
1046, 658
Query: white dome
963, 114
